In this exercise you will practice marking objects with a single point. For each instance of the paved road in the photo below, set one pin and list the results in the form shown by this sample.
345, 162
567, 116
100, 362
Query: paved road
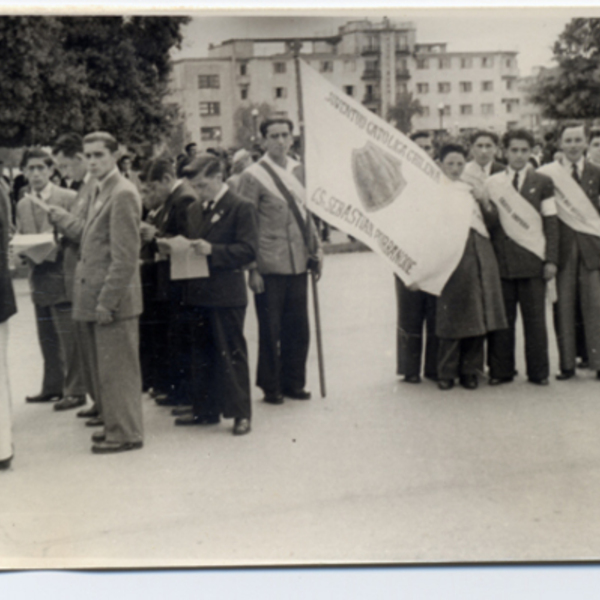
379, 471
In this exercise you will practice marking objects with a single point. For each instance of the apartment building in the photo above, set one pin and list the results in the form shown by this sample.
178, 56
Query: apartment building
375, 63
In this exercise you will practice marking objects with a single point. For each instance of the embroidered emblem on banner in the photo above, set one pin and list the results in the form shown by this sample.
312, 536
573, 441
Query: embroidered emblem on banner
377, 176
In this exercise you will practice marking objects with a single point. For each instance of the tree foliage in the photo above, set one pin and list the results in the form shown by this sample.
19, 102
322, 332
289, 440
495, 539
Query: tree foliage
403, 111
572, 89
83, 73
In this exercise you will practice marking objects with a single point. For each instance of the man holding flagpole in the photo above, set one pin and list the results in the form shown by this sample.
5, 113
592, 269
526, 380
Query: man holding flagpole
289, 247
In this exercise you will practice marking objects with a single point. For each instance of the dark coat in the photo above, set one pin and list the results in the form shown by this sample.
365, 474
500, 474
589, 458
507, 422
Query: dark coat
514, 261
471, 302
589, 245
232, 229
8, 306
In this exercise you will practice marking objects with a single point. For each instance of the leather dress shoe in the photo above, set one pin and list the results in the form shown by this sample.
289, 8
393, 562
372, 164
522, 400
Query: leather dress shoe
241, 426
98, 436
95, 422
500, 380
69, 402
43, 398
564, 375
297, 394
179, 411
583, 364
469, 382
5, 464
165, 400
412, 379
273, 398
192, 419
112, 447
88, 413
542, 381
445, 384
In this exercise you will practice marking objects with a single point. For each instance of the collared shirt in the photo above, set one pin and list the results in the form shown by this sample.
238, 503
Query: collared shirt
176, 184
102, 182
46, 193
290, 165
487, 169
568, 165
219, 195
520, 174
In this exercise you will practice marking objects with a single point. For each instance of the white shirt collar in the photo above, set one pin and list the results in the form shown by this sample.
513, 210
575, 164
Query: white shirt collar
46, 192
511, 175
290, 163
86, 177
177, 183
103, 181
220, 193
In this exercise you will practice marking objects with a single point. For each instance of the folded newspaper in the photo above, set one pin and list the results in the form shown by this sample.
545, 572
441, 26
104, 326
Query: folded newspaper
185, 262
37, 247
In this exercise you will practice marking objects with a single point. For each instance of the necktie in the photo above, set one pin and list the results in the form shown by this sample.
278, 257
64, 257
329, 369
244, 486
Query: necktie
516, 181
208, 206
575, 173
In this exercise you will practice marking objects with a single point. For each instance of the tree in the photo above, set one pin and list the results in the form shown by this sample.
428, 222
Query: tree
245, 123
83, 73
572, 89
403, 111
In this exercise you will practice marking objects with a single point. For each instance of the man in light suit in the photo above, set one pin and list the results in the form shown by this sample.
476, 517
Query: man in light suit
279, 280
47, 280
107, 298
224, 229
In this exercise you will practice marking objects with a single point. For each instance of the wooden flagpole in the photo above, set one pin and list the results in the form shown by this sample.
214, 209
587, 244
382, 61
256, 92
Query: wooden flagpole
297, 44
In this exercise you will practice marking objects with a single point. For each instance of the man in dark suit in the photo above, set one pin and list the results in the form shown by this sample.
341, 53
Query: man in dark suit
166, 199
47, 279
484, 146
107, 299
526, 261
578, 279
224, 230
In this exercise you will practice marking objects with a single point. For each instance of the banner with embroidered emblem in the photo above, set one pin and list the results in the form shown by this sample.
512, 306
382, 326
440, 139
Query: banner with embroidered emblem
574, 207
522, 223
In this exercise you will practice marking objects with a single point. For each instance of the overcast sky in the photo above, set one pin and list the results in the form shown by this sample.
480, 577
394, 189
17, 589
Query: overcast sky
531, 32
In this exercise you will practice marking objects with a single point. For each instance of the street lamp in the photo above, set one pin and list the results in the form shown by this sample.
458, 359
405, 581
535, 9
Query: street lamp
441, 108
254, 113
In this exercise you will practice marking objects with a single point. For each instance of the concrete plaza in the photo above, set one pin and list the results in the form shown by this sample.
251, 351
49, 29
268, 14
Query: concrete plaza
379, 471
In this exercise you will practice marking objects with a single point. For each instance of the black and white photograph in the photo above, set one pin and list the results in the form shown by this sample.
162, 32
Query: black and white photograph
299, 288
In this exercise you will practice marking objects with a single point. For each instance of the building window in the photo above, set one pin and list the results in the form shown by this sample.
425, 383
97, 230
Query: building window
349, 89
422, 88
244, 93
487, 109
487, 62
243, 69
466, 109
402, 88
511, 105
326, 66
444, 63
509, 62
279, 67
210, 108
371, 65
208, 82
369, 92
447, 112
466, 86
443, 87
422, 63
424, 111
280, 92
511, 84
487, 86
210, 133
466, 63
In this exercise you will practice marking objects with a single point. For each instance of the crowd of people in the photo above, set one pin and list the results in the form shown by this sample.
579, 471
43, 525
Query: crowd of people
111, 318
534, 235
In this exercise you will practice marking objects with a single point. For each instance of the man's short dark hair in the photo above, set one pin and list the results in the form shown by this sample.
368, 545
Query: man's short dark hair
102, 136
518, 134
420, 134
594, 133
156, 169
264, 126
32, 153
70, 144
571, 124
484, 133
206, 164
450, 148
190, 145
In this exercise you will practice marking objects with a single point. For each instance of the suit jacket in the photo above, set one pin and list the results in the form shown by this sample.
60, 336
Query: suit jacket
231, 227
170, 221
8, 306
514, 261
107, 273
589, 245
46, 280
281, 246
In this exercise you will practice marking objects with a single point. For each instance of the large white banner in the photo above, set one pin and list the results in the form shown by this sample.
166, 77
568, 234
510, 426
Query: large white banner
366, 178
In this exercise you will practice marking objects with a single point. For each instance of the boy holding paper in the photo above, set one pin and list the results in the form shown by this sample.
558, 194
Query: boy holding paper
470, 304
525, 237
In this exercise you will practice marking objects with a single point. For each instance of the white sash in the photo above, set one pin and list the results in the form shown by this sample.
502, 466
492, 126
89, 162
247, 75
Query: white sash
477, 222
521, 221
287, 177
574, 207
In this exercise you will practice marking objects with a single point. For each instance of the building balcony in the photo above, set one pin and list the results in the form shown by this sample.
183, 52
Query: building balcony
403, 49
371, 74
371, 99
370, 50
402, 74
